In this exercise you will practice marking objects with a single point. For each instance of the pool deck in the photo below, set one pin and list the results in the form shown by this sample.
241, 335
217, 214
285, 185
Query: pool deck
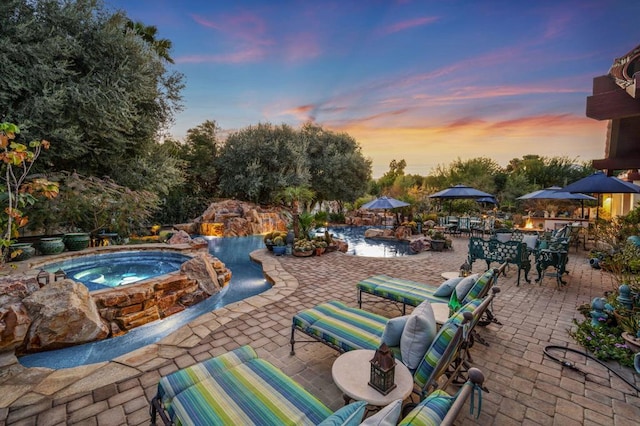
524, 386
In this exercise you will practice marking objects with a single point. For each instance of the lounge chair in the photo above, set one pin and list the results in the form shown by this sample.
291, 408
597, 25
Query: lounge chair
240, 388
413, 293
344, 328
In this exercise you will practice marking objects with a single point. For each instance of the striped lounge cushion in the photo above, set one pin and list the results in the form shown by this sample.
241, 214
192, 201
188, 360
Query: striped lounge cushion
431, 411
439, 345
344, 327
400, 290
238, 388
479, 287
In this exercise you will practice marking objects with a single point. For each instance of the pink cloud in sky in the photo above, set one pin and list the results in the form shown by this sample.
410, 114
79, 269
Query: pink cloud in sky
301, 46
410, 23
241, 56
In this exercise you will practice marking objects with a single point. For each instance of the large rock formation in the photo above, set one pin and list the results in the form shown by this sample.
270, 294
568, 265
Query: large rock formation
241, 218
63, 314
208, 271
14, 318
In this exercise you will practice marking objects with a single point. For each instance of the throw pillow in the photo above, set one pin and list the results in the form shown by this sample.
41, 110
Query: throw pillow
393, 331
346, 416
465, 285
447, 287
418, 334
388, 416
530, 241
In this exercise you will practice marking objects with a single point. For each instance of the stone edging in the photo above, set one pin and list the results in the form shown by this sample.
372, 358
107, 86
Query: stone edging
67, 382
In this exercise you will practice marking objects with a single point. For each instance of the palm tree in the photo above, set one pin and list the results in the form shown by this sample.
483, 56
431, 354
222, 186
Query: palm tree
295, 195
148, 34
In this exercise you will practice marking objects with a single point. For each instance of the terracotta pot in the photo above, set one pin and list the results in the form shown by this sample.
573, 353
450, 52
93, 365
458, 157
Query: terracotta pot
632, 342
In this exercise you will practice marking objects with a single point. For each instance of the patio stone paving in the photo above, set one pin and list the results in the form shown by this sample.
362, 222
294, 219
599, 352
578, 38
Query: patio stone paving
524, 386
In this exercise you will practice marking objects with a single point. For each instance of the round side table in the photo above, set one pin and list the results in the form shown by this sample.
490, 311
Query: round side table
351, 373
441, 312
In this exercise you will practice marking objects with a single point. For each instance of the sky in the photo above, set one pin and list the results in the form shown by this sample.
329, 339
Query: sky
429, 82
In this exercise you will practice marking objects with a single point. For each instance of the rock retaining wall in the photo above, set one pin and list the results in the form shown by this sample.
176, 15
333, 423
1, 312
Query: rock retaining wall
64, 313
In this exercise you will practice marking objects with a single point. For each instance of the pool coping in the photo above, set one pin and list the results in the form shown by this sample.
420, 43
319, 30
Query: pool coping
32, 385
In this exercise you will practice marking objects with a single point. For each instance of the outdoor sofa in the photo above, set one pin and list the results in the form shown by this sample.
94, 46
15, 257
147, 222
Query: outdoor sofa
239, 388
344, 328
413, 293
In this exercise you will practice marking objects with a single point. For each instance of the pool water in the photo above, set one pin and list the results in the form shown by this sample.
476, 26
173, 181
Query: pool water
361, 246
108, 270
247, 280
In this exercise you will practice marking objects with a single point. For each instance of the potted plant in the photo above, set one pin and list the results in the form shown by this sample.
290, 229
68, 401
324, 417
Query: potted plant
302, 247
437, 241
279, 245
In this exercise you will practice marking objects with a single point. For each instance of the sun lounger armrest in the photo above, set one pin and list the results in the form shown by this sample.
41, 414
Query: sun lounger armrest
476, 378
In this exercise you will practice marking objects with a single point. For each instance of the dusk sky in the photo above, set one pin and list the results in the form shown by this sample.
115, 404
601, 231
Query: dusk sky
424, 81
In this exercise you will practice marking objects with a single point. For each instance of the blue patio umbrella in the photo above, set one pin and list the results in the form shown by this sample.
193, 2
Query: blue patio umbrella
599, 183
556, 193
384, 203
460, 192
490, 200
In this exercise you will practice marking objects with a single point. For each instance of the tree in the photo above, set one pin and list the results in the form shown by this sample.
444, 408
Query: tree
73, 74
17, 161
337, 168
296, 195
258, 162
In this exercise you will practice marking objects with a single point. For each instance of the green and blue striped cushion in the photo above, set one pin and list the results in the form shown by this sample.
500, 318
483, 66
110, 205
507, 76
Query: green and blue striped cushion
431, 411
400, 290
253, 392
344, 327
427, 366
479, 287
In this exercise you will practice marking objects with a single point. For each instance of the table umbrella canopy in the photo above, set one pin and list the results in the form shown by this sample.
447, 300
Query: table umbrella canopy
554, 193
461, 192
599, 183
384, 203
491, 200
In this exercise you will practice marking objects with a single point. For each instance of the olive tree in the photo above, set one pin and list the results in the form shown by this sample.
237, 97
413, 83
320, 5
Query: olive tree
94, 85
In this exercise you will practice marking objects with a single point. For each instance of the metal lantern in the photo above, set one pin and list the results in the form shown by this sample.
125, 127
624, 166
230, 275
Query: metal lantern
383, 367
59, 275
42, 278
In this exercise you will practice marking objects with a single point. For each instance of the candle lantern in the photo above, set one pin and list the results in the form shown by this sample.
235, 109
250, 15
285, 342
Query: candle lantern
59, 275
383, 367
42, 278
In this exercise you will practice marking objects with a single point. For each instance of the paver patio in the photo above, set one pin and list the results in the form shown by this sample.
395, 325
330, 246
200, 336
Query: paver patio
524, 386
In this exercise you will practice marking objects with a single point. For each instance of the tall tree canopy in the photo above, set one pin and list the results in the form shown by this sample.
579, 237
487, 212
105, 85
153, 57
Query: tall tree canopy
87, 80
258, 162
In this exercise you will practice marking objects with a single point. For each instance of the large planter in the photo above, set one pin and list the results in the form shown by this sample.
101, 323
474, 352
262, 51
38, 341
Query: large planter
76, 241
53, 245
306, 253
437, 245
26, 251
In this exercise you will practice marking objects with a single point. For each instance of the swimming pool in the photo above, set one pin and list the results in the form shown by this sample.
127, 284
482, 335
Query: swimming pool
361, 246
247, 280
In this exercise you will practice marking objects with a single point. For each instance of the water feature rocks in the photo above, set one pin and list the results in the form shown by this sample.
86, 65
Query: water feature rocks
63, 314
180, 237
241, 218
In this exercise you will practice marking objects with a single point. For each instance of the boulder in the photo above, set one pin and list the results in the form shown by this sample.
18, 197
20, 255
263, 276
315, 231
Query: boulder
201, 269
373, 233
14, 324
180, 237
343, 246
403, 232
420, 244
63, 314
